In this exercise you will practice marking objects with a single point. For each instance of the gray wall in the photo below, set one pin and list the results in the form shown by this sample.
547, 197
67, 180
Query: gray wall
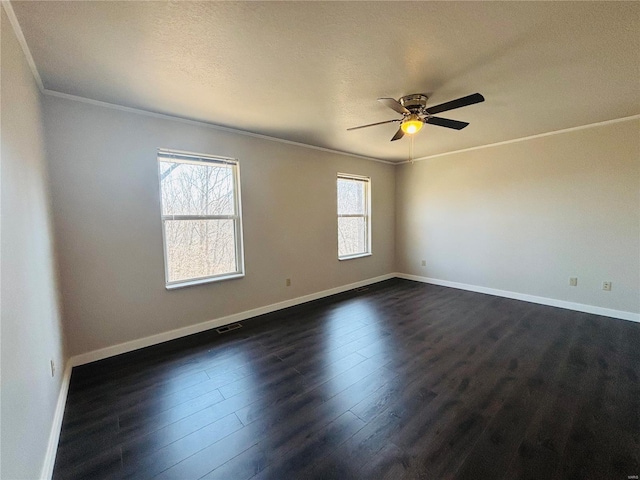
107, 220
526, 216
31, 332
521, 217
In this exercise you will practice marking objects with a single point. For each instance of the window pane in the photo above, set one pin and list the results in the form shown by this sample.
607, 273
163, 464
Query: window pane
199, 248
203, 189
351, 197
352, 237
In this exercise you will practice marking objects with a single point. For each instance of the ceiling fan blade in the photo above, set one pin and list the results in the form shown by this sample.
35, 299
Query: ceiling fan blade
393, 105
446, 122
399, 134
458, 103
373, 124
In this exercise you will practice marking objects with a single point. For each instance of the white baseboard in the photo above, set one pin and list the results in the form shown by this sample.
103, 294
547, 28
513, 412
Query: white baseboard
54, 435
552, 302
215, 323
237, 317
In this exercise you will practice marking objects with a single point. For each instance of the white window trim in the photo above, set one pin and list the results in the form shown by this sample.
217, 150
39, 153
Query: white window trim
180, 156
366, 216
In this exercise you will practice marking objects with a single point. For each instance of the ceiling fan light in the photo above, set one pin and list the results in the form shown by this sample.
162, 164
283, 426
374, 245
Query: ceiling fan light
411, 125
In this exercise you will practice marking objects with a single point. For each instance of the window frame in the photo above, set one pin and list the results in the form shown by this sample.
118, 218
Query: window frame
367, 215
180, 156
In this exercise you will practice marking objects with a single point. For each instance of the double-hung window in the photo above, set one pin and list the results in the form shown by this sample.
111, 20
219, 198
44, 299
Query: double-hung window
354, 216
201, 218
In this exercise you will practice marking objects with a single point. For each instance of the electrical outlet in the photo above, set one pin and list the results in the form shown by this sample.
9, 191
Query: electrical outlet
424, 263
53, 368
573, 281
288, 282
606, 286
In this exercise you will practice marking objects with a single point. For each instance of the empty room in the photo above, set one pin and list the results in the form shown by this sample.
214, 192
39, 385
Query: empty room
320, 240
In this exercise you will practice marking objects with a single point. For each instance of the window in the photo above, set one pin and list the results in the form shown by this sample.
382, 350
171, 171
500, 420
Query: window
354, 216
201, 218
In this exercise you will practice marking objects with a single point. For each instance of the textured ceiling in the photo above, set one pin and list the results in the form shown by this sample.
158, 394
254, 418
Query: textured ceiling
306, 71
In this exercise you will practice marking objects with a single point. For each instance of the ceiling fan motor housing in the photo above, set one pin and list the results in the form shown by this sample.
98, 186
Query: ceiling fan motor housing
415, 103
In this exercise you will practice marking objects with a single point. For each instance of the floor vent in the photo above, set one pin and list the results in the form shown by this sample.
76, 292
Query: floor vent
228, 328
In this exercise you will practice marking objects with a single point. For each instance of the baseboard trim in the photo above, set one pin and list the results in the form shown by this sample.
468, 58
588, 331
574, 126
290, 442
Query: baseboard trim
552, 302
237, 317
215, 323
54, 435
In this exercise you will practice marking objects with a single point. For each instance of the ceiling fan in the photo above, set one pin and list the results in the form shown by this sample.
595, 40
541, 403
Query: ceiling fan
415, 113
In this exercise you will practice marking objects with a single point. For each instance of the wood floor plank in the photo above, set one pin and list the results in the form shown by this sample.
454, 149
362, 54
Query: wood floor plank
491, 454
401, 380
147, 466
293, 423
303, 456
106, 464
593, 421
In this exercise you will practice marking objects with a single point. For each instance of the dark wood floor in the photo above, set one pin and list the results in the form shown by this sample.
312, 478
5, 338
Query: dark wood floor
401, 380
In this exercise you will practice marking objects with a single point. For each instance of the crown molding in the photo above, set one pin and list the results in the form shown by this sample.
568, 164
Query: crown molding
199, 123
8, 8
529, 137
34, 70
36, 75
214, 126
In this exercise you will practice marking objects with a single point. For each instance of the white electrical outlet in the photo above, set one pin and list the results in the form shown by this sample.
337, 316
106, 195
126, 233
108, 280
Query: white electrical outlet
573, 281
424, 263
53, 368
288, 282
606, 286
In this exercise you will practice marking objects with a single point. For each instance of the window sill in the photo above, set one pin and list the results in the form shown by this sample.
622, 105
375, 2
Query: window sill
351, 257
200, 281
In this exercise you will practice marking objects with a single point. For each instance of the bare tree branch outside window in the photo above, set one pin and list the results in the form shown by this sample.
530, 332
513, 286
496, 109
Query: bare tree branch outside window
353, 216
200, 218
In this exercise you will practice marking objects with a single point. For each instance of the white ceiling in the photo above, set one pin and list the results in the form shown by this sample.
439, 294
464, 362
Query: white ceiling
306, 71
